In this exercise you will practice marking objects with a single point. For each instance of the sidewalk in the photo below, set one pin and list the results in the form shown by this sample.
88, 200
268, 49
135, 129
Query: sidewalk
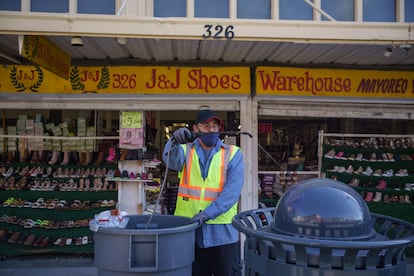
74, 267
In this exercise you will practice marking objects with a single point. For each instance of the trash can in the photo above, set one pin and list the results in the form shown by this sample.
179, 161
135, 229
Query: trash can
323, 227
157, 245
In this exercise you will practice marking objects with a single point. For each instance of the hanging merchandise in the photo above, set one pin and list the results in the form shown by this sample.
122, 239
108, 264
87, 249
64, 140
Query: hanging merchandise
131, 132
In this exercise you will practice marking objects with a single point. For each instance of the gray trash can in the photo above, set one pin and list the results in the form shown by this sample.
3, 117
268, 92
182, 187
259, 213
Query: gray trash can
323, 227
165, 246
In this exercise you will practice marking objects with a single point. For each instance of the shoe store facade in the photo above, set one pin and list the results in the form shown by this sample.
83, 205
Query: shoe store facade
63, 121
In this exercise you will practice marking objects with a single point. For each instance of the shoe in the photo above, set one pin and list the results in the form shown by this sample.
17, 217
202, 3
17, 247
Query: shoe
377, 173
54, 159
369, 197
359, 157
111, 156
378, 197
368, 171
354, 182
125, 174
359, 170
402, 172
330, 154
388, 173
339, 155
381, 185
350, 169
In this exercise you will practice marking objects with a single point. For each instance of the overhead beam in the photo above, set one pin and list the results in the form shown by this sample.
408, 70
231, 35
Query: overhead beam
194, 28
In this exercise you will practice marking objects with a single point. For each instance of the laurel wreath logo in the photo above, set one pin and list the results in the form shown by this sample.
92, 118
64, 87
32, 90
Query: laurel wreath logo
26, 44
77, 84
20, 86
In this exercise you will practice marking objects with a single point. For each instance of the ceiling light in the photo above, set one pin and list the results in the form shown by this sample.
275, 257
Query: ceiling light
76, 41
122, 40
388, 52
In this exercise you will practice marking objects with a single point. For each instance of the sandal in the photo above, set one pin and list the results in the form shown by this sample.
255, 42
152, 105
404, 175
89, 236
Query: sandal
29, 223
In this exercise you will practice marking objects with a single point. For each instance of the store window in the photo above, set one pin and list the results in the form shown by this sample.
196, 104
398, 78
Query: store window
211, 8
295, 10
288, 148
409, 11
48, 6
259, 9
379, 10
340, 10
170, 8
6, 5
96, 6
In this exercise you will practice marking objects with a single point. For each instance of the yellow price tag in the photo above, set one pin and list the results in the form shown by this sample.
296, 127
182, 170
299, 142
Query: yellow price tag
131, 119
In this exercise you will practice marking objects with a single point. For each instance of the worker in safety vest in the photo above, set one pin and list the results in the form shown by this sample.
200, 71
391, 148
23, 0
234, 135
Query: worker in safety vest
211, 177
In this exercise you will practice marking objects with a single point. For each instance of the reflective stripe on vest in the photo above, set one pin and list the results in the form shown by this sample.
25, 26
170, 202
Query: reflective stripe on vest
195, 193
186, 189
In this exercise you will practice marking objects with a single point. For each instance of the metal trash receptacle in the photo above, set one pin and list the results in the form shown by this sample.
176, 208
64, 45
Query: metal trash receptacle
165, 246
323, 227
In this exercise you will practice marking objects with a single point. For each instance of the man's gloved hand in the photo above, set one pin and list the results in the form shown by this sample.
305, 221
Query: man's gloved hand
183, 135
200, 218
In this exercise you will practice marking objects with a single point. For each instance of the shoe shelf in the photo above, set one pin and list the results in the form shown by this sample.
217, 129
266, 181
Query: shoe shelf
379, 167
46, 208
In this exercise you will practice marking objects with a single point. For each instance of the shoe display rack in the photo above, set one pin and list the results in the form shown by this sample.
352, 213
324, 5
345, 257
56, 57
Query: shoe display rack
46, 208
379, 167
135, 181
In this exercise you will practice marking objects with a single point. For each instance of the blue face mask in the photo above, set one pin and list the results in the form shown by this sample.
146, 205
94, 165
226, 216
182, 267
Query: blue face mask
210, 139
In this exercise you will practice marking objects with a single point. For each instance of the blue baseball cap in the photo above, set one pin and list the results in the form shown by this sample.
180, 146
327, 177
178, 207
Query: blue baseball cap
206, 115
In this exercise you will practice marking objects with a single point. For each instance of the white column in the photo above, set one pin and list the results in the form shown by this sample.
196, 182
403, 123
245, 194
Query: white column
248, 121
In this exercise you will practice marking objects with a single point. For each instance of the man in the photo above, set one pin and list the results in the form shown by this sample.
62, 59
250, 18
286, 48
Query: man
211, 177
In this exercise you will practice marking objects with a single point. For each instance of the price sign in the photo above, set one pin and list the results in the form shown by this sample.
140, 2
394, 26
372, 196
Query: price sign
131, 119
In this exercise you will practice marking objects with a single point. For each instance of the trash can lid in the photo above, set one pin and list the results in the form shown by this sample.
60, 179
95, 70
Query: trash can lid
323, 209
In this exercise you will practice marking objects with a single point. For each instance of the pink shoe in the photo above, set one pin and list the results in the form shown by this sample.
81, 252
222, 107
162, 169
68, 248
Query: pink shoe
369, 197
381, 185
339, 155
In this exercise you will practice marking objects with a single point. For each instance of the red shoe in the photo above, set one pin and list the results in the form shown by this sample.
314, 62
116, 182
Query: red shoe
369, 197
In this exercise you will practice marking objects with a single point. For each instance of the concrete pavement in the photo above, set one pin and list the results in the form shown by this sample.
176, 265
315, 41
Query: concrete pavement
48, 266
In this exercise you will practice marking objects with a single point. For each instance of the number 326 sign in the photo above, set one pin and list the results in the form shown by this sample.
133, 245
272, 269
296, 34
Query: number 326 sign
218, 31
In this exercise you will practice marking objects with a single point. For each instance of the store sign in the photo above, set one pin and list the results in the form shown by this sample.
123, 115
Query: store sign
128, 80
43, 52
283, 81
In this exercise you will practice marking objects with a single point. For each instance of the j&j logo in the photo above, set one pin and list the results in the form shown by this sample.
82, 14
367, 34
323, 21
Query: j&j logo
18, 79
77, 79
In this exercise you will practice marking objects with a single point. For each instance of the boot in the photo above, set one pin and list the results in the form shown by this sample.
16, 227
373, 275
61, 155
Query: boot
124, 153
35, 157
88, 158
82, 158
10, 157
101, 158
378, 197
66, 158
55, 157
111, 155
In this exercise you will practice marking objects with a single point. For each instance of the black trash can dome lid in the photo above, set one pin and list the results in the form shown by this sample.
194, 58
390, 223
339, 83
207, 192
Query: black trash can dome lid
323, 209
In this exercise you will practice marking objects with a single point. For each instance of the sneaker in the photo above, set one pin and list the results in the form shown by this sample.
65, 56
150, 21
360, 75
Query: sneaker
402, 172
368, 171
359, 170
350, 169
339, 155
388, 173
330, 154
377, 172
359, 157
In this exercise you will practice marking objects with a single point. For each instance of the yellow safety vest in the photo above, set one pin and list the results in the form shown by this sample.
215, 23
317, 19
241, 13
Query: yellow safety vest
196, 194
